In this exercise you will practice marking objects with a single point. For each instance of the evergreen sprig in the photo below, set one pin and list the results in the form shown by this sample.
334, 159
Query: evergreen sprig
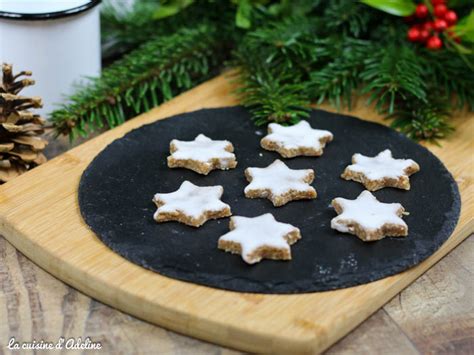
338, 76
423, 120
147, 76
271, 97
393, 72
290, 55
351, 50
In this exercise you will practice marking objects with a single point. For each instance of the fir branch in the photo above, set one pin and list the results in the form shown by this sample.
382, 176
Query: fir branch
289, 44
393, 73
274, 61
272, 97
151, 74
349, 16
423, 120
337, 80
452, 77
125, 29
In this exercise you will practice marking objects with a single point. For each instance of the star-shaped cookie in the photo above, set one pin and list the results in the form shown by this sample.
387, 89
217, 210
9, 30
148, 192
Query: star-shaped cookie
296, 140
368, 218
190, 204
381, 171
202, 155
259, 238
279, 183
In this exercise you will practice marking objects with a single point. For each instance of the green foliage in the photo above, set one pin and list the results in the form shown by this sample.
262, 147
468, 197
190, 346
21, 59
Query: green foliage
147, 76
337, 79
393, 72
290, 55
393, 7
451, 77
272, 97
170, 8
465, 28
125, 29
348, 16
423, 120
244, 13
347, 48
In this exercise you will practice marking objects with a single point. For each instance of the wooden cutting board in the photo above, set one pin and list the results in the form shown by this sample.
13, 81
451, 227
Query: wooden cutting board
39, 215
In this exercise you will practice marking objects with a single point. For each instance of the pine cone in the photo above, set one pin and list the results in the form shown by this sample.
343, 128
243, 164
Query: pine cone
20, 130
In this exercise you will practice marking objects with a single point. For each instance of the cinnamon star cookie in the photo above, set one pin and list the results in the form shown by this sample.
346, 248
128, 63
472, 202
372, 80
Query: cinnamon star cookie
202, 155
296, 140
381, 171
368, 218
279, 183
259, 238
190, 204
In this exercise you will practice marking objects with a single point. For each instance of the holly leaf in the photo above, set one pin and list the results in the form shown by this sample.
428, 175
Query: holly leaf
171, 9
242, 17
465, 28
393, 7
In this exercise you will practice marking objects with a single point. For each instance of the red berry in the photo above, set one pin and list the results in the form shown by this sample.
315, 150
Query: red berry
440, 10
424, 34
437, 2
440, 25
451, 17
428, 26
421, 11
434, 43
413, 34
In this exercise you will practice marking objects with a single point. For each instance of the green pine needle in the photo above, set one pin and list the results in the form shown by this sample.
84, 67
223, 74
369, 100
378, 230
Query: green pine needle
146, 77
393, 73
422, 120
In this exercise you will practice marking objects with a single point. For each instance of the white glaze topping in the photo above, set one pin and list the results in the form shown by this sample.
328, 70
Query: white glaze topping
202, 149
191, 200
300, 135
278, 178
383, 165
256, 232
366, 211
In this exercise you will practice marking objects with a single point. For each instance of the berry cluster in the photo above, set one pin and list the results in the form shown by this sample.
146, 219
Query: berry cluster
427, 26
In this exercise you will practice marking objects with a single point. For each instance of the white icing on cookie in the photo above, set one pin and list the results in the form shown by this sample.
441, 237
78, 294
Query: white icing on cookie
299, 136
383, 165
280, 179
262, 231
369, 213
191, 200
203, 149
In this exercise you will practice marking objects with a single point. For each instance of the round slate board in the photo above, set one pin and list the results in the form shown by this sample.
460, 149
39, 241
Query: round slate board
116, 190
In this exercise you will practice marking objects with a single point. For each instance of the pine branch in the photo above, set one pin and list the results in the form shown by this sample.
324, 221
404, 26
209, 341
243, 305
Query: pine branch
339, 77
272, 97
123, 31
274, 61
151, 74
289, 44
393, 73
452, 77
423, 120
347, 16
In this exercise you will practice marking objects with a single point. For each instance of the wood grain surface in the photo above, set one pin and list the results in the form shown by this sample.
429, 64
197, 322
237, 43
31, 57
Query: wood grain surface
39, 216
434, 315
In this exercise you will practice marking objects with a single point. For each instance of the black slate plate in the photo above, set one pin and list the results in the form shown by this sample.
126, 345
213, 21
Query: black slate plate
116, 189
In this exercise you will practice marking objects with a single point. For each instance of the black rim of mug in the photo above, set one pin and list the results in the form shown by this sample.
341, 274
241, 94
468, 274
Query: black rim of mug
49, 15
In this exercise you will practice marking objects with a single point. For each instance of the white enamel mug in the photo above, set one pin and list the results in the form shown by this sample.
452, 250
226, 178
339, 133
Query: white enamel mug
58, 40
